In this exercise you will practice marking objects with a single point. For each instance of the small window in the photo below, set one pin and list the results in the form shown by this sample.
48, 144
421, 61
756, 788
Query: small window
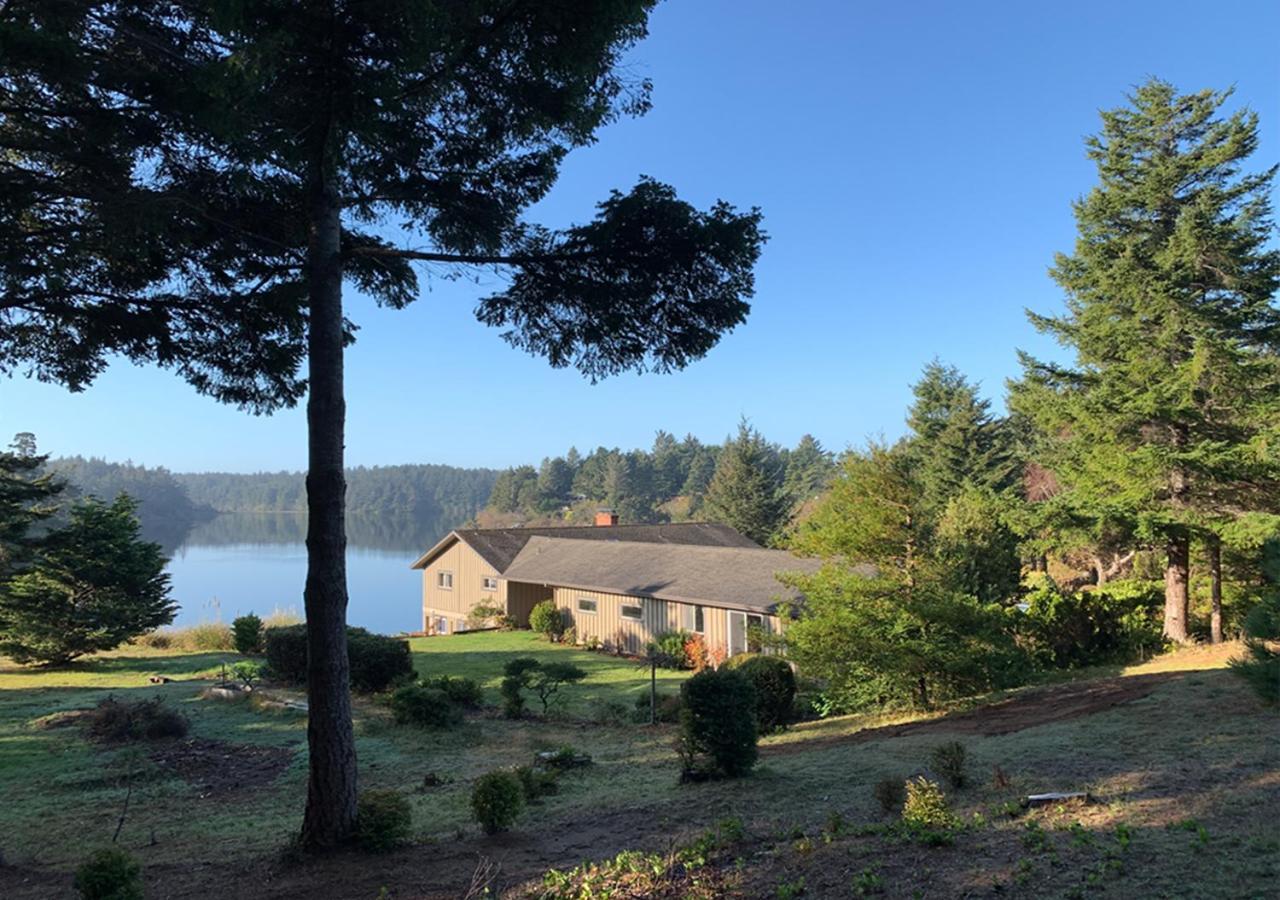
489, 584
586, 605
444, 580
755, 633
694, 620
630, 611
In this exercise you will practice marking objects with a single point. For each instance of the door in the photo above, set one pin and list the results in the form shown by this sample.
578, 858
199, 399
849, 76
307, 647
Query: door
737, 632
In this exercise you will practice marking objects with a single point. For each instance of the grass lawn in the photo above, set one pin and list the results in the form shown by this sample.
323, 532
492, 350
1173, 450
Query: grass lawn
1185, 765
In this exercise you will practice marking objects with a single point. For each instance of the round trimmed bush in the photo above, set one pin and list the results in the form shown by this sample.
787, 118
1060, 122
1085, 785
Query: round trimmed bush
718, 730
546, 618
775, 686
462, 691
110, 874
429, 707
384, 820
377, 661
497, 800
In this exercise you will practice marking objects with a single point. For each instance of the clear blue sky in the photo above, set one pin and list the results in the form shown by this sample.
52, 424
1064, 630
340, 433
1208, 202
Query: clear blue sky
915, 163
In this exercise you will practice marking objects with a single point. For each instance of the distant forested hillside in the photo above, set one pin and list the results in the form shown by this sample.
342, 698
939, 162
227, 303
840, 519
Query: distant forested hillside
166, 511
670, 481
414, 492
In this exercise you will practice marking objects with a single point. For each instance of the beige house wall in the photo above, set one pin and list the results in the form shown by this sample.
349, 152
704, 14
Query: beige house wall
616, 632
454, 604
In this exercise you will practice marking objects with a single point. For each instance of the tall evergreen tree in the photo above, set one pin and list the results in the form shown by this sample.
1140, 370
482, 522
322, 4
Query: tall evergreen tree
809, 469
192, 184
1169, 415
746, 490
27, 497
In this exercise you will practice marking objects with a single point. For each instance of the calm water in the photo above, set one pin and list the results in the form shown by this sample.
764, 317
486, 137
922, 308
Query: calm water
258, 563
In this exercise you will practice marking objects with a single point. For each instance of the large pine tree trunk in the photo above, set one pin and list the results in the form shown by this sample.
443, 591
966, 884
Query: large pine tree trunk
1215, 589
1177, 576
331, 788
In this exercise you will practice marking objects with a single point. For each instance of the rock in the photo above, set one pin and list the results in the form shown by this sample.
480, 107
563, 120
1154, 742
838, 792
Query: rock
1055, 797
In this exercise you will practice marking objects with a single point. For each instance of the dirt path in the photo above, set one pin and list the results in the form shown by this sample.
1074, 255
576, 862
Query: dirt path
1027, 709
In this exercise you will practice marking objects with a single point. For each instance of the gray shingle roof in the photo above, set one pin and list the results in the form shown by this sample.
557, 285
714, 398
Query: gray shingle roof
499, 546
734, 577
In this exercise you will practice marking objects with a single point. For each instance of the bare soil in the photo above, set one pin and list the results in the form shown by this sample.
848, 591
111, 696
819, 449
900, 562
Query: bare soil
1027, 709
217, 768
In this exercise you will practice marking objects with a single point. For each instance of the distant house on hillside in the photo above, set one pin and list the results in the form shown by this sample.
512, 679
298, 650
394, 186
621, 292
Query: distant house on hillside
622, 585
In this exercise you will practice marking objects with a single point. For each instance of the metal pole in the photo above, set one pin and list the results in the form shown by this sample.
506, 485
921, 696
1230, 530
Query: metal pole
653, 690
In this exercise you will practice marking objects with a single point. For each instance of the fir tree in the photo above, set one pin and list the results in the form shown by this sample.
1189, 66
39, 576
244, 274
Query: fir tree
1168, 416
746, 490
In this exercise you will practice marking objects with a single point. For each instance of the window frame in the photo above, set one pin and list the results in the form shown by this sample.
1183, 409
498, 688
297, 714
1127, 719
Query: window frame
441, 575
638, 606
595, 605
488, 583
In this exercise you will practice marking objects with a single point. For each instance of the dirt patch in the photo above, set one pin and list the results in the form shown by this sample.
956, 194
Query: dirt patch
1029, 709
217, 768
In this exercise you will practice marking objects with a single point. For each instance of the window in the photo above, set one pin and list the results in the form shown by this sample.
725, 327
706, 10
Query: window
444, 580
755, 633
489, 583
693, 619
632, 611
586, 605
442, 625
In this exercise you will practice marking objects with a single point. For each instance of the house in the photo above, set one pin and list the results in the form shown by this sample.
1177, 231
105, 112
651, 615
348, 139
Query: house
620, 585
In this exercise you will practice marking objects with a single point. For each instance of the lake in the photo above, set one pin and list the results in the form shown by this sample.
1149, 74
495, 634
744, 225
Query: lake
241, 563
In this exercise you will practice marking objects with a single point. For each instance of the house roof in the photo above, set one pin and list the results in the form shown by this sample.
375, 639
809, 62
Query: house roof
734, 577
499, 546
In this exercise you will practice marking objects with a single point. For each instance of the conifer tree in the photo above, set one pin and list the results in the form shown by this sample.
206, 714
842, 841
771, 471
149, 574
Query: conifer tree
746, 490
1169, 414
193, 184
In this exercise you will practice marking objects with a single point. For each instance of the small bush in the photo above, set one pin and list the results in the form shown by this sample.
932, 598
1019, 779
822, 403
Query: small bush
516, 675
247, 634
612, 712
151, 720
484, 615
890, 793
110, 874
547, 619
1260, 664
718, 731
536, 783
384, 821
775, 686
668, 708
377, 661
497, 800
428, 707
462, 691
948, 760
669, 650
925, 811
247, 673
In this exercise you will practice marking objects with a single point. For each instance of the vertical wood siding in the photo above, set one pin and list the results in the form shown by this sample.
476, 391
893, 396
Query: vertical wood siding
469, 570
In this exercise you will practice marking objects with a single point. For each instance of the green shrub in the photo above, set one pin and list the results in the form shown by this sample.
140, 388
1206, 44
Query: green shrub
925, 812
417, 704
547, 619
668, 708
110, 874
384, 820
377, 661
246, 672
485, 615
112, 721
544, 679
247, 634
669, 650
718, 731
497, 800
462, 691
948, 761
1260, 665
890, 793
613, 712
516, 675
1118, 623
536, 783
775, 685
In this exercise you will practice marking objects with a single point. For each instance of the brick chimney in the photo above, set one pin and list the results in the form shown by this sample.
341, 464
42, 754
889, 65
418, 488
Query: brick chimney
606, 518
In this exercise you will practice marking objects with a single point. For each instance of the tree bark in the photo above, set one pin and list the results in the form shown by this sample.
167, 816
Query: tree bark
330, 816
1215, 589
1177, 575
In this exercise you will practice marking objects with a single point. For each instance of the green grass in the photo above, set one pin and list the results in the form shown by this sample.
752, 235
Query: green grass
481, 655
1199, 748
